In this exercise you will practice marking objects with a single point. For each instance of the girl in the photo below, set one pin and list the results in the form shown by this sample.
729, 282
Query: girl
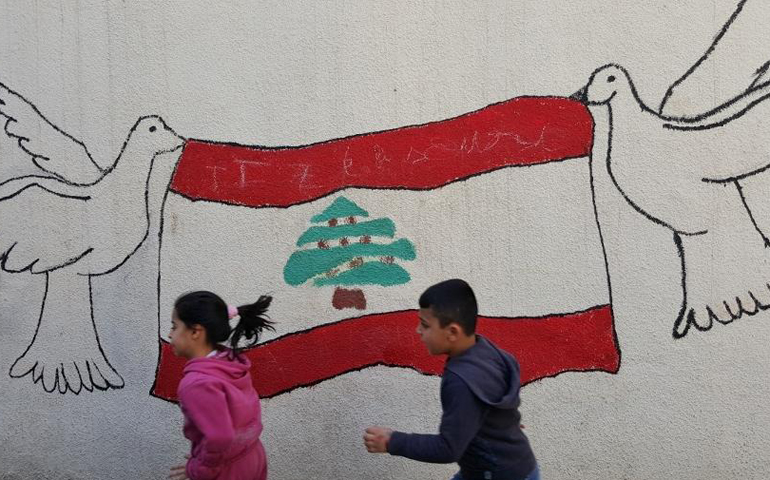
221, 409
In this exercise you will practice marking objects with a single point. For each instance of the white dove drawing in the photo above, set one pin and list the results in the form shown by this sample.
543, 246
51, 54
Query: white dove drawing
683, 174
78, 222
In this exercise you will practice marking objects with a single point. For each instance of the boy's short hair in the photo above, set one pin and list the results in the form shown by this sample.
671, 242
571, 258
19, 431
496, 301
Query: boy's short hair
452, 301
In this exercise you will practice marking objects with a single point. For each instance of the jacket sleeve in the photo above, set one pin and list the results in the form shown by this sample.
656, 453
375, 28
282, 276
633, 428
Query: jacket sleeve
206, 407
461, 420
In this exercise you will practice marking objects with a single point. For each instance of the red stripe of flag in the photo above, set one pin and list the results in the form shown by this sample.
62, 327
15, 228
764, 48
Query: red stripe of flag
547, 346
518, 132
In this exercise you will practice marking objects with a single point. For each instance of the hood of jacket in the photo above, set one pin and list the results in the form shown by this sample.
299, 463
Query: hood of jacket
491, 374
222, 366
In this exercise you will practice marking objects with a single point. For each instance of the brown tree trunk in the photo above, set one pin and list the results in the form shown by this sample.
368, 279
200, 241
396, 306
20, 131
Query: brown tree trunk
344, 298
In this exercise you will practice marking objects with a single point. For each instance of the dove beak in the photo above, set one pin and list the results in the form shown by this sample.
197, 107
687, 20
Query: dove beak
581, 95
182, 140
175, 134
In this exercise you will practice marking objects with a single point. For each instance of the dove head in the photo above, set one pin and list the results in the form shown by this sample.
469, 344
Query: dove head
153, 133
605, 83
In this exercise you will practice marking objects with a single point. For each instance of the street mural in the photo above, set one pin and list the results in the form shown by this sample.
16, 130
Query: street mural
346, 232
64, 357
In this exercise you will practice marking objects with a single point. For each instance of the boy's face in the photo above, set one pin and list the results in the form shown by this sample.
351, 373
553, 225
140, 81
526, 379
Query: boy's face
438, 339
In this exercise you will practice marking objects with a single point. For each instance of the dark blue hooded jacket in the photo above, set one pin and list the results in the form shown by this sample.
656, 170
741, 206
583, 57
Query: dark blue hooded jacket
480, 427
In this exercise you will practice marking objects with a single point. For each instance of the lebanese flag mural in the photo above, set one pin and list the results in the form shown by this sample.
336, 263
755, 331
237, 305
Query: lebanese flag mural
346, 234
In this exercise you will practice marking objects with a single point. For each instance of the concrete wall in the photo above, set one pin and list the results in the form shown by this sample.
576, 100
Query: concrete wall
619, 252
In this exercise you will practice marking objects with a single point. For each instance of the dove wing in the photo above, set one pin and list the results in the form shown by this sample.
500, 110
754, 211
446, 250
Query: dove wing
50, 238
724, 113
728, 143
739, 51
51, 149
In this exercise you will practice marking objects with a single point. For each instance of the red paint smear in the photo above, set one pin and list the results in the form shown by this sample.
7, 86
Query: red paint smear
545, 347
518, 132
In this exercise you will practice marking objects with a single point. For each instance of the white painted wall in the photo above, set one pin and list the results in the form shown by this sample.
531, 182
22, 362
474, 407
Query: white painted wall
288, 73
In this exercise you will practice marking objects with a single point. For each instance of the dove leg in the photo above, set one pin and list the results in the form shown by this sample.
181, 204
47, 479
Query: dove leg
726, 271
753, 192
65, 354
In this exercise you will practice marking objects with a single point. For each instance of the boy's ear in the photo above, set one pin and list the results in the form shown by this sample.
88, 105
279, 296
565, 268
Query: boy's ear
454, 329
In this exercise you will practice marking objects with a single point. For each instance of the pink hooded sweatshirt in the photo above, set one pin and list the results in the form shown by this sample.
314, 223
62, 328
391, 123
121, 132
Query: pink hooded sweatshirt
223, 419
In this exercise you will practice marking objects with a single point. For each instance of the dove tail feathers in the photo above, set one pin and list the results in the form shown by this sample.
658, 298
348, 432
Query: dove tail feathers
65, 354
702, 308
704, 319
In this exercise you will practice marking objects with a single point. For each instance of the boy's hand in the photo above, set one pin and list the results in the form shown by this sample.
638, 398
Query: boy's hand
376, 439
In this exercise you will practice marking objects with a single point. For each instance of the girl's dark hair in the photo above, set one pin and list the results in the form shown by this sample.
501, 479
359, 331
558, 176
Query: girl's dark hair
209, 311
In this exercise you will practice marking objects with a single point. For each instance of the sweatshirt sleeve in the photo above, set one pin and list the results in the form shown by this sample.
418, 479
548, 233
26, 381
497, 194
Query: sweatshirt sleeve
206, 407
461, 420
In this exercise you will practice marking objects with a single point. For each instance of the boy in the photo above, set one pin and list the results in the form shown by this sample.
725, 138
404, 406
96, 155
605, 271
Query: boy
479, 396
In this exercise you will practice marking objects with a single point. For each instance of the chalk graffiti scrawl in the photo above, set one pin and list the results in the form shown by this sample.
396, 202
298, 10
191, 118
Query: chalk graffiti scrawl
683, 174
344, 253
67, 238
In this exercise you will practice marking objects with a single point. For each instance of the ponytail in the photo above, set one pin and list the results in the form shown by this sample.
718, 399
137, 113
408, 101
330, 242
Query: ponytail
209, 311
251, 323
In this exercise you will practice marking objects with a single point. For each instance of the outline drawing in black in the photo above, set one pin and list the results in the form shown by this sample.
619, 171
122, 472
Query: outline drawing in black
683, 173
77, 222
736, 62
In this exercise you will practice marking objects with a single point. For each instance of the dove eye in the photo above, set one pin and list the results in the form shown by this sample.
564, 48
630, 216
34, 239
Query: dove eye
153, 128
611, 79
